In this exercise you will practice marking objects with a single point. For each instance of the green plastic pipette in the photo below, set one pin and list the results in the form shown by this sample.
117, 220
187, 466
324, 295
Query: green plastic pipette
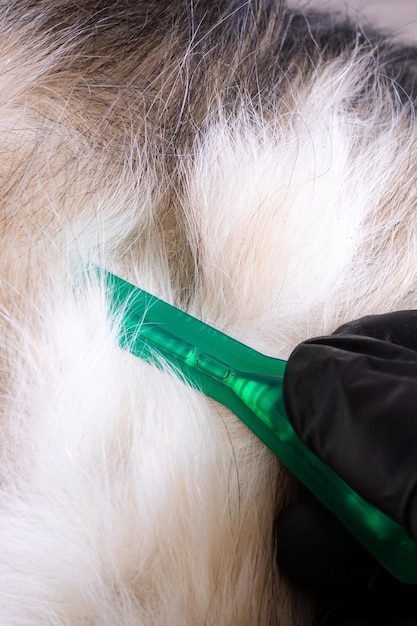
250, 385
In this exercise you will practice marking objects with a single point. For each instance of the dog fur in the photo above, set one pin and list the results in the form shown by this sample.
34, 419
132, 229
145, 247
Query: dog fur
249, 163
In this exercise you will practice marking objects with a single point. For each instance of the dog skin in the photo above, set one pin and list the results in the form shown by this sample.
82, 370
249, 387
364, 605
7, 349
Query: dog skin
249, 163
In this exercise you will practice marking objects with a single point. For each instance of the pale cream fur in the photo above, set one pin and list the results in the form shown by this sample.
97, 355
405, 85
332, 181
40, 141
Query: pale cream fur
128, 498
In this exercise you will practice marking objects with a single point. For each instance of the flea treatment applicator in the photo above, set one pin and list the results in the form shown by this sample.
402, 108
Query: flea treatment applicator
250, 385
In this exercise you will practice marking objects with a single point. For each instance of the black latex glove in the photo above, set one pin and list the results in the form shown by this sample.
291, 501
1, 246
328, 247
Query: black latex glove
352, 399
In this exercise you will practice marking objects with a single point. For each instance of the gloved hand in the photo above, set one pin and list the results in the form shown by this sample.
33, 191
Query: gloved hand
352, 399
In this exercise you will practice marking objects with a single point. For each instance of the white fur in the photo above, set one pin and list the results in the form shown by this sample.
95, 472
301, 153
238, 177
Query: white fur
126, 497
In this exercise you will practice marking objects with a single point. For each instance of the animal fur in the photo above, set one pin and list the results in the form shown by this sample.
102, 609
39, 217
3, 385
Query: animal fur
249, 163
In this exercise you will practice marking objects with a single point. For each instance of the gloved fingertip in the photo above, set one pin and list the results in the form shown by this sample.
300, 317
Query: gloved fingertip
411, 515
317, 553
340, 616
354, 614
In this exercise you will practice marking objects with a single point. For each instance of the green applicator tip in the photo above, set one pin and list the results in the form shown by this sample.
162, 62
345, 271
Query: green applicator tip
250, 384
